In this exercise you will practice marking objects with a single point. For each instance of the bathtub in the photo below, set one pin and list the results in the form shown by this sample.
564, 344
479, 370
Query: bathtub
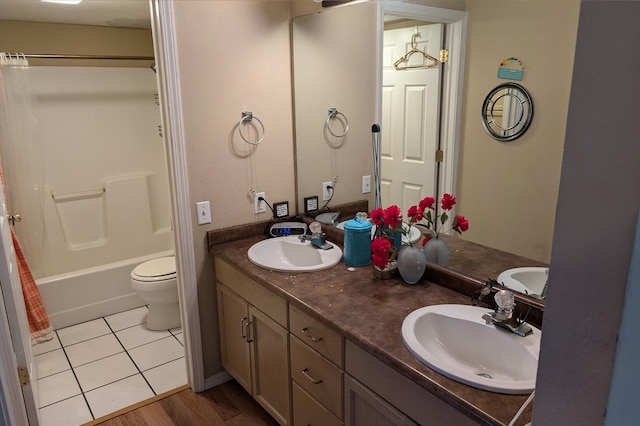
87, 294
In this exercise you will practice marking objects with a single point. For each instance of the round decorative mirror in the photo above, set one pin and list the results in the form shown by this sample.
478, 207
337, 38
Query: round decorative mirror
507, 112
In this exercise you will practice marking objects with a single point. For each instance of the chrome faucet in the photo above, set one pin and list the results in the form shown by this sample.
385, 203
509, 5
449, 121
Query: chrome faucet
317, 237
503, 315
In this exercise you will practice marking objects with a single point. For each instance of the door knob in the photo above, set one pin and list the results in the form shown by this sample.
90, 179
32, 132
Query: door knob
13, 218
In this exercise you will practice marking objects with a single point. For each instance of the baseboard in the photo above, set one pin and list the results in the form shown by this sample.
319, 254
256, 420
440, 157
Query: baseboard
217, 380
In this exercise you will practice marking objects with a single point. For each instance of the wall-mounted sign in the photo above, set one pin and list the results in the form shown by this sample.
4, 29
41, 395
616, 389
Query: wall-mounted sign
511, 69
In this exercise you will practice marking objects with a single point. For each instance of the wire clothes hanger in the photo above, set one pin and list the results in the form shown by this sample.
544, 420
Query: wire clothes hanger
405, 58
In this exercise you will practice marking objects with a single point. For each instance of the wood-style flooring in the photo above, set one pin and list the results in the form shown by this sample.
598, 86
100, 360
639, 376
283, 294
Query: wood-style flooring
227, 404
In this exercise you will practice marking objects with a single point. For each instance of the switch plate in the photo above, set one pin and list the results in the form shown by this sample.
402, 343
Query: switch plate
203, 210
281, 209
327, 190
366, 184
259, 206
310, 204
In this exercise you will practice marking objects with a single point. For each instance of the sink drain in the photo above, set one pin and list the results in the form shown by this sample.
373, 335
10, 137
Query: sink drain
486, 375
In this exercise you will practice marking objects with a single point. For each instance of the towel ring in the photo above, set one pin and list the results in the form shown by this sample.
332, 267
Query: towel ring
333, 113
247, 116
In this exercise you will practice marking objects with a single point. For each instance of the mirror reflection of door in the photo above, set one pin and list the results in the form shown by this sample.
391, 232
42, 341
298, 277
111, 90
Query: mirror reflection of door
410, 117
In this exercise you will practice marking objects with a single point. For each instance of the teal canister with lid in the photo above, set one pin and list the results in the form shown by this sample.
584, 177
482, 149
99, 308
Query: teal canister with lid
357, 241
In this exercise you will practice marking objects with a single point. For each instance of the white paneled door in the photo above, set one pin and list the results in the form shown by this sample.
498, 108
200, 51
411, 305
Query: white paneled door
16, 339
410, 116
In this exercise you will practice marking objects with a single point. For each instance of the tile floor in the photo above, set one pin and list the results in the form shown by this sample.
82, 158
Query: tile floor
95, 368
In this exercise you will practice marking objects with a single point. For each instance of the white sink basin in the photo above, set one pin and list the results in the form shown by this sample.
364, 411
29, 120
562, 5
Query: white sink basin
455, 341
529, 280
289, 254
413, 236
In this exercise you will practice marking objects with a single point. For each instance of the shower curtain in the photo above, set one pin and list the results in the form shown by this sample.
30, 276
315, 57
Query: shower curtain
21, 168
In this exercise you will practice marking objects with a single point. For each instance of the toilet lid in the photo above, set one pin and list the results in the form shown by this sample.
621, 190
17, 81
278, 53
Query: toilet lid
161, 267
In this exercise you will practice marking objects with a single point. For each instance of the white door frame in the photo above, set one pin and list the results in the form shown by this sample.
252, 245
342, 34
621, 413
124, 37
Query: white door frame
12, 406
452, 78
166, 57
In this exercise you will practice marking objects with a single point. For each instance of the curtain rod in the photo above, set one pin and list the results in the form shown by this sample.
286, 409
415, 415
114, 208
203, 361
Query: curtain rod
104, 57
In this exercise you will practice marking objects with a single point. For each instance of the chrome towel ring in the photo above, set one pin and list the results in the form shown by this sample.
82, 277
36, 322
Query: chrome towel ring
248, 117
334, 113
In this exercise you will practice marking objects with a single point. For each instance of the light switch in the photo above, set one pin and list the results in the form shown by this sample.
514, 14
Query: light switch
366, 184
203, 209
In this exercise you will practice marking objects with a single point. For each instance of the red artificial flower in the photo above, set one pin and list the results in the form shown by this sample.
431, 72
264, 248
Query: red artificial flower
380, 247
427, 203
448, 201
376, 216
425, 240
392, 216
460, 224
415, 214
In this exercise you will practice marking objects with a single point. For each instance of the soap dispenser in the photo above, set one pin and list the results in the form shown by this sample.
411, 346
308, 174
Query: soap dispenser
357, 241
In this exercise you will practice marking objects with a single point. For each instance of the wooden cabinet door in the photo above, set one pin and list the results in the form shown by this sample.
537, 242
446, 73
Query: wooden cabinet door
270, 355
233, 316
364, 408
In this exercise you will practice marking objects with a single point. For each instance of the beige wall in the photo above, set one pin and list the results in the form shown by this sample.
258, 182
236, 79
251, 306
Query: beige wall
331, 69
40, 38
510, 189
240, 63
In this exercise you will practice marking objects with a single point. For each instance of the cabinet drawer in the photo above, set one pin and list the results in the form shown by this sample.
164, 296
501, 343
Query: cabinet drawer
405, 395
308, 412
320, 378
316, 335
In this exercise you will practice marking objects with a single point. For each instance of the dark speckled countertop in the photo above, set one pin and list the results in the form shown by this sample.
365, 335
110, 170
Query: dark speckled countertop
370, 312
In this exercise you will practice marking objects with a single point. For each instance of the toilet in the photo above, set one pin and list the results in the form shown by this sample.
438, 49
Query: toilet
156, 283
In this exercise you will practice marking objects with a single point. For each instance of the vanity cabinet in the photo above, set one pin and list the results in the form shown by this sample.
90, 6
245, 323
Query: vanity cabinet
254, 339
304, 372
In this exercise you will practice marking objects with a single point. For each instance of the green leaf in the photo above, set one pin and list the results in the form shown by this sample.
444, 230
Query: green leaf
443, 218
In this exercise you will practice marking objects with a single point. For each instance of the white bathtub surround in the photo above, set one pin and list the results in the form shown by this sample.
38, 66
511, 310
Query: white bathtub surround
86, 294
95, 368
114, 210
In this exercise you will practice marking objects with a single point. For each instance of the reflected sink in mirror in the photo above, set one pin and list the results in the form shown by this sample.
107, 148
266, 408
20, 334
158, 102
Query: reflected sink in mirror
411, 236
527, 280
289, 254
455, 341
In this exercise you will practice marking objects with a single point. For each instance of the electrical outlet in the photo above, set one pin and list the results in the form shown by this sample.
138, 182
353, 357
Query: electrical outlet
366, 184
327, 190
258, 205
203, 210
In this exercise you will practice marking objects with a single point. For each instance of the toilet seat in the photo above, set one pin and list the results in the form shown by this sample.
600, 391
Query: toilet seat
161, 269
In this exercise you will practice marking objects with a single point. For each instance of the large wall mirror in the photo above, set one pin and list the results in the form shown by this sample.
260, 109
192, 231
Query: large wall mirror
344, 58
338, 57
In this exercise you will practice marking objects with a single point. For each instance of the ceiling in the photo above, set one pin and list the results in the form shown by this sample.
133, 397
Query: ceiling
110, 13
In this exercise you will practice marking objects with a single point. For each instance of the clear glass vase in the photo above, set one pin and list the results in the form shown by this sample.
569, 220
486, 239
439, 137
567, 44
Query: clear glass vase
411, 264
437, 251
